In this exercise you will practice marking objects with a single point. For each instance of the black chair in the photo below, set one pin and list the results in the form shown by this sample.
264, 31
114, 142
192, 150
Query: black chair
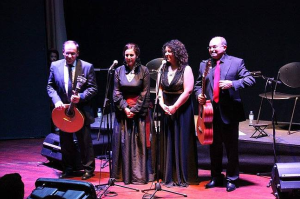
289, 75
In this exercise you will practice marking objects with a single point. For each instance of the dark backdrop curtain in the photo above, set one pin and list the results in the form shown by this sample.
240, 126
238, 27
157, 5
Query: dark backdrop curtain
25, 111
264, 33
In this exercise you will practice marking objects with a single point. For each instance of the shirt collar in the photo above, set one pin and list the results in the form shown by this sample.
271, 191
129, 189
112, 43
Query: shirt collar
221, 59
74, 63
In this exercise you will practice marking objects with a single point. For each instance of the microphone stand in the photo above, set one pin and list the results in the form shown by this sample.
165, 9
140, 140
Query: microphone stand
108, 123
157, 131
106, 101
270, 81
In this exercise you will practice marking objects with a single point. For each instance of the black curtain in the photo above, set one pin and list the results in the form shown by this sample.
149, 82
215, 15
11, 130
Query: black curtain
263, 33
25, 108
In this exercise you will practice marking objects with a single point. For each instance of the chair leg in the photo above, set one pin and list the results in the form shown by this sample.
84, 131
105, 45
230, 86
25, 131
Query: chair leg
257, 121
292, 116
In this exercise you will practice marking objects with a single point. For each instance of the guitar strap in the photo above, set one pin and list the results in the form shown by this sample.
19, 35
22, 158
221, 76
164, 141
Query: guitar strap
77, 72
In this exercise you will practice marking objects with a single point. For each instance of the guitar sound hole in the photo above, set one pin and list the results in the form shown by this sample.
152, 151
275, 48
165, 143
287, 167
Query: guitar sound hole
70, 113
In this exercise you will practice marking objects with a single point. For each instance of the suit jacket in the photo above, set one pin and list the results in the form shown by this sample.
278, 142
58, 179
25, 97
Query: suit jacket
230, 103
56, 86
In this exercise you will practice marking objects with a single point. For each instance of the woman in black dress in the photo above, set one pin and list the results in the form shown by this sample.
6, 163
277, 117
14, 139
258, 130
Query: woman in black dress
178, 138
131, 97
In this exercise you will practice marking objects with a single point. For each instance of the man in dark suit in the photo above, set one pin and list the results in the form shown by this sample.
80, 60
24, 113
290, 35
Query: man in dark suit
60, 89
224, 80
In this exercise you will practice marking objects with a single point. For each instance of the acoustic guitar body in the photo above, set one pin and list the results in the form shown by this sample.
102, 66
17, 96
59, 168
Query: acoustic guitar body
205, 123
69, 124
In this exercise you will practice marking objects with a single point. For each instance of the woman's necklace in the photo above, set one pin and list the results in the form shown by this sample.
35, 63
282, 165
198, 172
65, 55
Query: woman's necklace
131, 74
171, 72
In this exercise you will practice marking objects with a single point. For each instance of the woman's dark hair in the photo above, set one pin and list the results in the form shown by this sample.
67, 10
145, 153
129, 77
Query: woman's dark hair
53, 51
134, 47
136, 50
179, 50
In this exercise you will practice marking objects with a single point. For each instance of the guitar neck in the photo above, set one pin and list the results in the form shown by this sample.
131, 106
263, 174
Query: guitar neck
70, 110
203, 84
208, 64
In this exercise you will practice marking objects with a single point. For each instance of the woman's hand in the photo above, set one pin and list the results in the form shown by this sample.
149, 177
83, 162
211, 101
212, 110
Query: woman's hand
128, 113
172, 109
165, 108
169, 110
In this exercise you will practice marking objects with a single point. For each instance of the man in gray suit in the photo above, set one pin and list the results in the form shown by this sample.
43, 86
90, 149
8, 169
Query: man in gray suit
224, 80
60, 89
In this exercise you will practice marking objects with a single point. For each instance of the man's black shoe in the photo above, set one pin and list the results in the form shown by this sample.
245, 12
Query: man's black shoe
231, 186
87, 175
66, 175
215, 182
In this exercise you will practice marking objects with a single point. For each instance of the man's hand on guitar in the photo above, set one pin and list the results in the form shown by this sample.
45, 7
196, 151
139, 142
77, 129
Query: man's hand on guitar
201, 99
75, 98
59, 105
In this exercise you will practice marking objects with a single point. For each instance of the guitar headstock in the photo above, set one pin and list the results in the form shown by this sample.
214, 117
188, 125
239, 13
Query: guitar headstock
208, 65
81, 80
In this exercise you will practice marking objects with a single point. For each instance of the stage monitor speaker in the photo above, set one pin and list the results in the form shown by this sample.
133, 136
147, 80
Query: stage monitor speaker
51, 148
68, 189
285, 180
52, 151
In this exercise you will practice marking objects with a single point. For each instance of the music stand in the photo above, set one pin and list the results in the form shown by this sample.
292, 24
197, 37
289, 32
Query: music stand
111, 181
155, 67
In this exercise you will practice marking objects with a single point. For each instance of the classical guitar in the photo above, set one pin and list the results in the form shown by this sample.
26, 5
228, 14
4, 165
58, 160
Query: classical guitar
205, 117
70, 119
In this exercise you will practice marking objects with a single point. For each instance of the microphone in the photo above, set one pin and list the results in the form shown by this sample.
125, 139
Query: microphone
113, 65
270, 80
163, 62
153, 71
256, 73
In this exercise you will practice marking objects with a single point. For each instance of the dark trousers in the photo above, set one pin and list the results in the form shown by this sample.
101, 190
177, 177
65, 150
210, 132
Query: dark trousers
226, 134
69, 149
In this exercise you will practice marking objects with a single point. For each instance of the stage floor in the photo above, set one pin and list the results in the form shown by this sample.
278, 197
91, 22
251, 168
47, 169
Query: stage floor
281, 133
24, 157
256, 157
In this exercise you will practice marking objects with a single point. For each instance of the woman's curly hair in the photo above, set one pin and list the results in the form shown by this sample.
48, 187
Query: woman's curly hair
179, 50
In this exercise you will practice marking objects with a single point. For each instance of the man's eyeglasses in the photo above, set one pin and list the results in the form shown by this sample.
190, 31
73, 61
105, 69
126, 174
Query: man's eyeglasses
213, 47
72, 54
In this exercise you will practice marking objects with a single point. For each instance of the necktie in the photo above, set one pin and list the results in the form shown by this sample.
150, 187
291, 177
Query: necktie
70, 82
216, 82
